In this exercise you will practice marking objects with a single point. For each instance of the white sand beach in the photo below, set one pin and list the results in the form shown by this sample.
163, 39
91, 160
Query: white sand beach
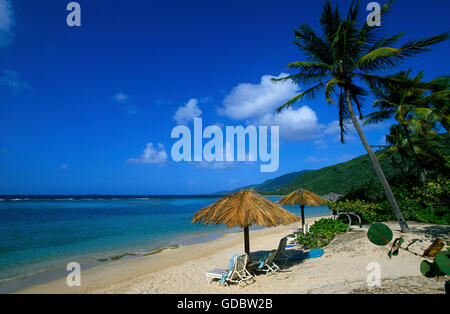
342, 268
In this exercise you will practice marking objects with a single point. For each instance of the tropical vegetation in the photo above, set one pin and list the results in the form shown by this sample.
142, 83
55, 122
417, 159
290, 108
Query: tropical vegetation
321, 233
345, 62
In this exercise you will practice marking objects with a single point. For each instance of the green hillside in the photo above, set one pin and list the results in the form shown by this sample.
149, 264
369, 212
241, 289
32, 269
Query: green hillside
340, 178
269, 185
279, 182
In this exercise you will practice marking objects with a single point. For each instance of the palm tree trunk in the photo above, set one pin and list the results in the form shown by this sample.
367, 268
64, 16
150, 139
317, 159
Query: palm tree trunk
387, 189
422, 173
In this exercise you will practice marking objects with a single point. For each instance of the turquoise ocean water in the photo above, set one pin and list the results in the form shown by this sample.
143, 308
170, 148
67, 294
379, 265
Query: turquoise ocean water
43, 234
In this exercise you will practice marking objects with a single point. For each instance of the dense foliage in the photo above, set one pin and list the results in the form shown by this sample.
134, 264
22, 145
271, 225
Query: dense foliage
426, 203
321, 233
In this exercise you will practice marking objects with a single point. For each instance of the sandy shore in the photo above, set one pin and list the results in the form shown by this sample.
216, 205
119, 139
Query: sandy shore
342, 269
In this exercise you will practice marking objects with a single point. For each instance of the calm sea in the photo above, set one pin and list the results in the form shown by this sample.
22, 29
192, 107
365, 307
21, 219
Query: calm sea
41, 234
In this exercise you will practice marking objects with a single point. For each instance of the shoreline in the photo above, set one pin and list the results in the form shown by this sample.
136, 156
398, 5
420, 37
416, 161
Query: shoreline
341, 269
28, 281
124, 270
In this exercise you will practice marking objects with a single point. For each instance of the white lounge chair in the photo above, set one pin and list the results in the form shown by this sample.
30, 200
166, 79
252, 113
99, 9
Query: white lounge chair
267, 265
237, 271
281, 251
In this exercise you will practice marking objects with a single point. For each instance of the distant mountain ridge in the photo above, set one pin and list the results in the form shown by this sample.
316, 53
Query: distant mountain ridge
269, 185
339, 178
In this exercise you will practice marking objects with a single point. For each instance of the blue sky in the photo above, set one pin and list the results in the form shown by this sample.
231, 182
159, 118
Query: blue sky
79, 105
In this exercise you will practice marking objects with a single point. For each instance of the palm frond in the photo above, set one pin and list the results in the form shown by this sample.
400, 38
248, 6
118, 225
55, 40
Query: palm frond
309, 93
379, 59
329, 89
378, 116
301, 78
312, 45
414, 47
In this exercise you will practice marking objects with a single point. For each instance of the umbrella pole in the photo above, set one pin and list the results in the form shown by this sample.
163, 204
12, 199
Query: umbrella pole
247, 241
302, 207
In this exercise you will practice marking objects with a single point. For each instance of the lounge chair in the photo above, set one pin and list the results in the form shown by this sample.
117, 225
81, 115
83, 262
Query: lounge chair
236, 273
281, 251
267, 264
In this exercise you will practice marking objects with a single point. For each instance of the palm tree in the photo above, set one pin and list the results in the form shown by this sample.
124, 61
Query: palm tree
342, 60
411, 107
395, 144
406, 145
439, 99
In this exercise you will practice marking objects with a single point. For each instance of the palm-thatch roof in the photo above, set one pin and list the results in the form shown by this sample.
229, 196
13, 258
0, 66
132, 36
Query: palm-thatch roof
243, 209
302, 197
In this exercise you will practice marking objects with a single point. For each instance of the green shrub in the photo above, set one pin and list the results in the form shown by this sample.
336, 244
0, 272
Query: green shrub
321, 233
369, 212
328, 226
312, 240
425, 203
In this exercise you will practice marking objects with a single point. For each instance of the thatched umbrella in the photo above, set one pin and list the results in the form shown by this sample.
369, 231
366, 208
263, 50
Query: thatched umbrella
243, 209
302, 197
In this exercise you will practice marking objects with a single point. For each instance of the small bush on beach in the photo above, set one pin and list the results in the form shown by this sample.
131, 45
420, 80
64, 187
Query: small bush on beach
321, 233
369, 212
328, 226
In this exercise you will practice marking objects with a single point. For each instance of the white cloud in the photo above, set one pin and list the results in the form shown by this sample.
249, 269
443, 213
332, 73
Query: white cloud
312, 159
252, 100
220, 165
320, 144
121, 97
257, 104
348, 138
4, 151
215, 165
346, 157
352, 136
332, 128
151, 155
188, 112
132, 109
295, 124
7, 23
12, 81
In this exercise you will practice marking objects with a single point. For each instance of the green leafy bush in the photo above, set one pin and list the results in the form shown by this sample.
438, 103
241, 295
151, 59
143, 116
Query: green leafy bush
328, 226
312, 240
369, 212
321, 233
425, 203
